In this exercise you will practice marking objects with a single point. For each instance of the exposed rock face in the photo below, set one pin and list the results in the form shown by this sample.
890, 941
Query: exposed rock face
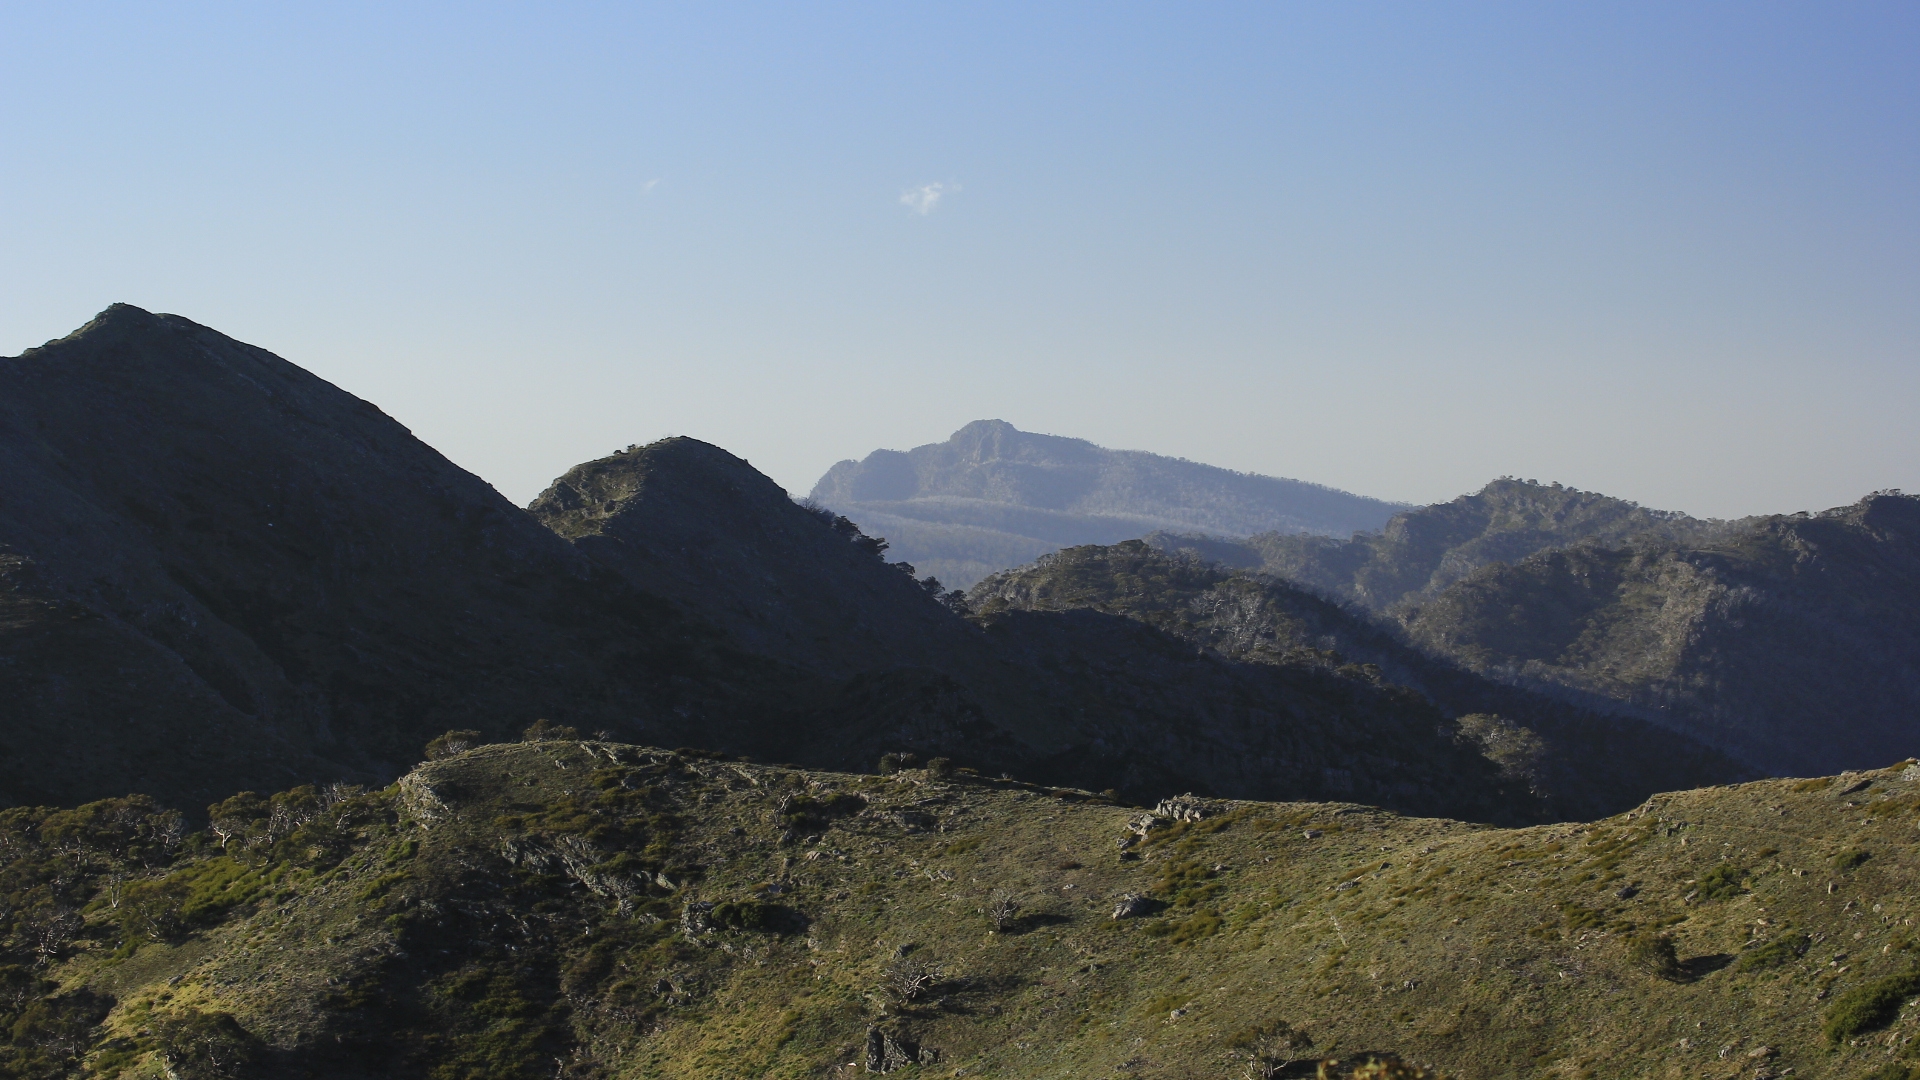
220, 571
886, 1052
993, 496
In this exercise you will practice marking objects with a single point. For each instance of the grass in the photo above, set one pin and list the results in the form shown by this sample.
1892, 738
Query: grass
528, 921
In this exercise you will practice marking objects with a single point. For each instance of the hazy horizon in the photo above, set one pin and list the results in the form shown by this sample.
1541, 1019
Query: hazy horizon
1665, 253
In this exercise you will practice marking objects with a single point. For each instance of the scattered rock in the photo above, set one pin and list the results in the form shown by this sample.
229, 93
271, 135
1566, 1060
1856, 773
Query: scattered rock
1186, 807
697, 917
1132, 906
886, 1052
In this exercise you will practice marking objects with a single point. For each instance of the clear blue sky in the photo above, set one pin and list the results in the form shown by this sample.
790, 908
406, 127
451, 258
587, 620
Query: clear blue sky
1667, 251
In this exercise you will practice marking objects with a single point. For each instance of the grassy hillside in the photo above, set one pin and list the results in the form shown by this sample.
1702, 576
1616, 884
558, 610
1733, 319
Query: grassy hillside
539, 909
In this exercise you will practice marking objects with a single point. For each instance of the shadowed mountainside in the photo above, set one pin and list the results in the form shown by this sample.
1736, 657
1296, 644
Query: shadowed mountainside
993, 496
219, 571
222, 572
1577, 761
1071, 696
1421, 551
685, 519
1793, 642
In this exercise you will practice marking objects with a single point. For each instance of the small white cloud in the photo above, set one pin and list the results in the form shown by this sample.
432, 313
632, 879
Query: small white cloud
923, 199
648, 187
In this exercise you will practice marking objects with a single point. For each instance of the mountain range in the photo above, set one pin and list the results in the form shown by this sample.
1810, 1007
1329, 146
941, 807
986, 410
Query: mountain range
320, 758
230, 574
1789, 641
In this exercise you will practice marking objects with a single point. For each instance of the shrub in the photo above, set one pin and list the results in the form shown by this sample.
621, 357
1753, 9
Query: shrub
815, 811
454, 742
1850, 859
893, 763
1273, 1048
543, 729
1869, 1006
1375, 1067
940, 768
1780, 950
207, 1045
750, 915
1723, 882
1654, 954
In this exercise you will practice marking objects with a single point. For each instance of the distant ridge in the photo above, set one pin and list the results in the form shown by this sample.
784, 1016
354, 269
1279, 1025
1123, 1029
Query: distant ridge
1425, 549
993, 496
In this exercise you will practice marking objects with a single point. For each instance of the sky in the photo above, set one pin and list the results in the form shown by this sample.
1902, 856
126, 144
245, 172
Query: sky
1667, 251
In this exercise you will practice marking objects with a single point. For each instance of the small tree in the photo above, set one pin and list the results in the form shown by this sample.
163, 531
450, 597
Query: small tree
543, 729
1654, 954
242, 817
911, 979
1003, 909
1275, 1048
336, 793
454, 742
152, 910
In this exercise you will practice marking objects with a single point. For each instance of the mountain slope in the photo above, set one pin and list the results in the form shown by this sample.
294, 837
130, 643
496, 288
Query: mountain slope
221, 571
686, 520
993, 496
1793, 642
1580, 763
1423, 550
1075, 697
595, 910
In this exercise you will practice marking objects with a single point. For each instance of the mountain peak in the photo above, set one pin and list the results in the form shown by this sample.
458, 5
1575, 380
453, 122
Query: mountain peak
993, 496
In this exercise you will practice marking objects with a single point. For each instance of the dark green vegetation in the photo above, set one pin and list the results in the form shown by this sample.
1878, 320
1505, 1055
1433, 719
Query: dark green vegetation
587, 909
993, 496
